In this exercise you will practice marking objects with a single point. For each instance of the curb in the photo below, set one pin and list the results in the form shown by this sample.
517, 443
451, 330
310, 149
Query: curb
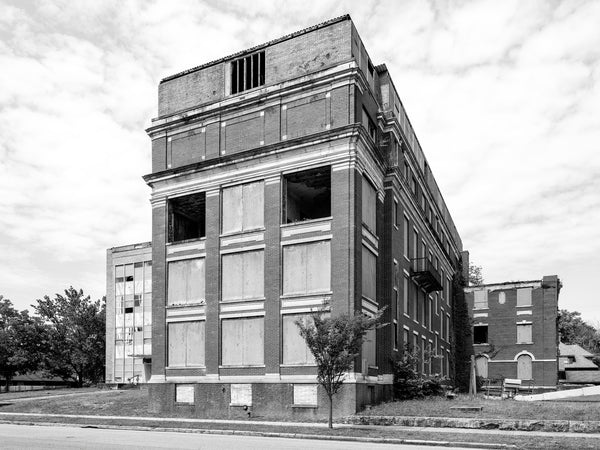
550, 426
272, 434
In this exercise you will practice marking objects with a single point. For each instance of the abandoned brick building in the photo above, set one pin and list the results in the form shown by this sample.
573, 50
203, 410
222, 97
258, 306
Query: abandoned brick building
129, 313
515, 330
287, 179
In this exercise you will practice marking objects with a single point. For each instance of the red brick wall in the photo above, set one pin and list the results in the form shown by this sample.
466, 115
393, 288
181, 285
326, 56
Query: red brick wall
310, 52
159, 276
502, 331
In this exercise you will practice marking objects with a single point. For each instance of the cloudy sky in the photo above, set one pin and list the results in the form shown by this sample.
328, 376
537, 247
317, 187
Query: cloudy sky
504, 96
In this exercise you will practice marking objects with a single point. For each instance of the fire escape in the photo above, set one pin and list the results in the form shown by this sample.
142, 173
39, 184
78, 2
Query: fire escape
425, 274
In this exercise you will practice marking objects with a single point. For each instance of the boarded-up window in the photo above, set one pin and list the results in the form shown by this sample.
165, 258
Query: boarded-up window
481, 366
186, 282
243, 207
369, 347
524, 297
243, 341
305, 394
369, 205
243, 275
524, 371
524, 333
295, 350
502, 298
186, 344
369, 274
184, 393
480, 299
307, 268
241, 394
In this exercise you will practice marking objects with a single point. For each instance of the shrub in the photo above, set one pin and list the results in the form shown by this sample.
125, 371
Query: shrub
408, 382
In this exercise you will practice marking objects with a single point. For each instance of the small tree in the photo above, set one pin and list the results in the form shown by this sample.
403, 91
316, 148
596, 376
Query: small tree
406, 374
475, 275
335, 342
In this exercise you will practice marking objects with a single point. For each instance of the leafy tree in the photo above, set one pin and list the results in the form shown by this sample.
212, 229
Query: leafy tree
573, 330
76, 336
335, 342
21, 341
475, 275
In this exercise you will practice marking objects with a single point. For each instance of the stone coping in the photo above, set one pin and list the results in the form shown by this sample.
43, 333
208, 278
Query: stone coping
571, 426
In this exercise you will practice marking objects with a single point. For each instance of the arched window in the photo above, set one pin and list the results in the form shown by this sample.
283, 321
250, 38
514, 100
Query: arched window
481, 366
524, 371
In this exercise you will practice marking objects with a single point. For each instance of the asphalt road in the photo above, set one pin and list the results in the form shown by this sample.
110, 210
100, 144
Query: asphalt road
59, 437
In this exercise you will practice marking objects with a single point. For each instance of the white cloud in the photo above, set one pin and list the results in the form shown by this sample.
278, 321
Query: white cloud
504, 96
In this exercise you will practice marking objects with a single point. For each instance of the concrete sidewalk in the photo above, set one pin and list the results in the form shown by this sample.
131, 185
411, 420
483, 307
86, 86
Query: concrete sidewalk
340, 438
5, 416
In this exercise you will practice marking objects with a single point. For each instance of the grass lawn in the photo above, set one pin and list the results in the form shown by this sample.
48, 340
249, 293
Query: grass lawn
5, 396
133, 402
492, 409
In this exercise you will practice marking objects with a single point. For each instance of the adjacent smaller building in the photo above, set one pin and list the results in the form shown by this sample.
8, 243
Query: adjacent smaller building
129, 313
515, 333
575, 365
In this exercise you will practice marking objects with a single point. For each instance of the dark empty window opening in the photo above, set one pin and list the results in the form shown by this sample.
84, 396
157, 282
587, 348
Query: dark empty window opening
248, 72
187, 217
368, 124
480, 334
307, 195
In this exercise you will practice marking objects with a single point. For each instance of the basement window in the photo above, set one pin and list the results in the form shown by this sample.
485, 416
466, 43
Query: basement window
187, 217
480, 334
248, 72
307, 195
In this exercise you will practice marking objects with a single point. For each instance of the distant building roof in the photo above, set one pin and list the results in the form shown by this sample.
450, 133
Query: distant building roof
579, 356
504, 285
